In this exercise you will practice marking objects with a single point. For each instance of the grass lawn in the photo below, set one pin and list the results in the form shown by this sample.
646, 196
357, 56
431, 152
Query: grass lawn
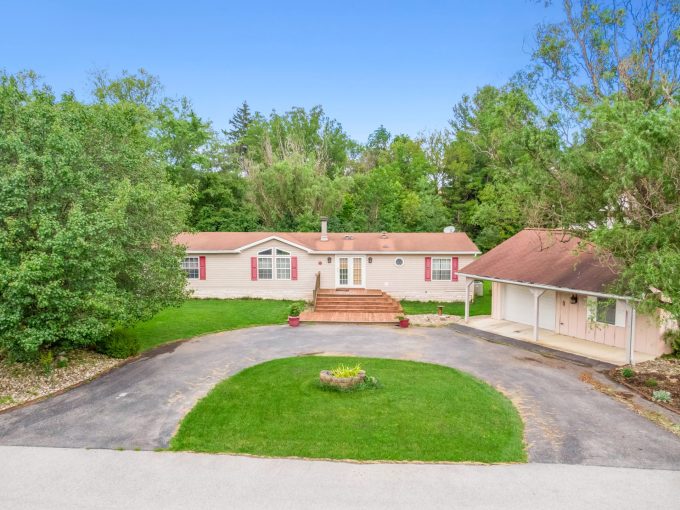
421, 412
481, 305
200, 316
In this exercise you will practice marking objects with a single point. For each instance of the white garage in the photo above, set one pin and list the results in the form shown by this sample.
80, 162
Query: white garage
518, 306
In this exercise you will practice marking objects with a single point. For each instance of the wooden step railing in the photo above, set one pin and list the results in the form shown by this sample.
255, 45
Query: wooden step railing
317, 286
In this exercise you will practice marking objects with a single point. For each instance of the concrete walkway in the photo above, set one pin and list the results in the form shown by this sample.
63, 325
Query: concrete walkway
54, 479
141, 404
548, 338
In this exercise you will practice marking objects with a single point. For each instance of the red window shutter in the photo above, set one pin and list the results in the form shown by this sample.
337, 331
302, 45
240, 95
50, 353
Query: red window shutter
253, 268
201, 267
428, 269
454, 269
293, 268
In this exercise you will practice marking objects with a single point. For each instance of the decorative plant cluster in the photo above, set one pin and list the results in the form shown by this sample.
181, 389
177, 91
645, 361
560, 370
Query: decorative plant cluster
295, 310
345, 378
661, 396
346, 371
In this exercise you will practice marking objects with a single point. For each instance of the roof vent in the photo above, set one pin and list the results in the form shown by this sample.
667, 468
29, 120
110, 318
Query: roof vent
450, 229
383, 235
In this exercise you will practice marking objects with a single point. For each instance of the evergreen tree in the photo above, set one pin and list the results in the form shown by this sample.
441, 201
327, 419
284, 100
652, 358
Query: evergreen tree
240, 123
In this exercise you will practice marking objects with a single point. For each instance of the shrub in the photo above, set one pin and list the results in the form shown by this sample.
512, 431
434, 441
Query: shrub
84, 199
627, 372
651, 383
346, 371
661, 396
119, 344
672, 338
46, 360
295, 310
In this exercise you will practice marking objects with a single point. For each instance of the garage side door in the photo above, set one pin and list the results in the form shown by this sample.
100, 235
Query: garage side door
519, 306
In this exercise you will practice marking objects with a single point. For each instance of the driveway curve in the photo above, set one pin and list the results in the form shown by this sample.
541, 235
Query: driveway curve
141, 404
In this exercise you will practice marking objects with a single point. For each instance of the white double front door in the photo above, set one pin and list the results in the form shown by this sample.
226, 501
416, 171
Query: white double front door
350, 271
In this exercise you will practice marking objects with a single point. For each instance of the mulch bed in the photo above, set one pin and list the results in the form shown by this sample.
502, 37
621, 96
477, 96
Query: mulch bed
24, 382
666, 373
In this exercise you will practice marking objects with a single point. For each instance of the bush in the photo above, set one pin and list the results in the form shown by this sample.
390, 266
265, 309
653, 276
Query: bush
661, 396
295, 310
672, 338
651, 383
119, 344
627, 373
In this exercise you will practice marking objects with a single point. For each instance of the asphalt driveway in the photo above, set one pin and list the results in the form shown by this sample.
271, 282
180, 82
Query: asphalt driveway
141, 404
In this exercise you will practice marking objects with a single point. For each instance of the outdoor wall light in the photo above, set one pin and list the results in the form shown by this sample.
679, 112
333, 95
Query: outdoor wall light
329, 259
370, 260
573, 299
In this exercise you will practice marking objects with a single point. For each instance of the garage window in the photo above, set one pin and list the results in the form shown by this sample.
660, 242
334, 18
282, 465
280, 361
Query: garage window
605, 311
441, 269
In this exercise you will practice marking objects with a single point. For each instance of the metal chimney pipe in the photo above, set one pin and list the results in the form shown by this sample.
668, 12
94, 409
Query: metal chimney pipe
324, 228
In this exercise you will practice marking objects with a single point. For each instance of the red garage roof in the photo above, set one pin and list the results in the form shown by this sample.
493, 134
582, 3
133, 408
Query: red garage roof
546, 257
373, 242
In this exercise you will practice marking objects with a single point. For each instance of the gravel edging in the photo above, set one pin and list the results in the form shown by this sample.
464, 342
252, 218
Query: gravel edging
433, 320
26, 384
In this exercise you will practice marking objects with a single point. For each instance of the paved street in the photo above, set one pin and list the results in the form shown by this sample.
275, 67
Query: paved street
54, 479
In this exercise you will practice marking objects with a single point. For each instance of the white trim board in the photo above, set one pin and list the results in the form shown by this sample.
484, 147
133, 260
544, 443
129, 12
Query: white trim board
548, 287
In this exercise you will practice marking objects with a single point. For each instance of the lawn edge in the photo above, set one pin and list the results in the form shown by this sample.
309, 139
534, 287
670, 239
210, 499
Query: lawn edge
348, 461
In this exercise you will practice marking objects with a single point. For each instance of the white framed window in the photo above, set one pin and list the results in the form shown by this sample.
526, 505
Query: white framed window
399, 262
283, 268
605, 311
264, 268
273, 264
190, 267
441, 269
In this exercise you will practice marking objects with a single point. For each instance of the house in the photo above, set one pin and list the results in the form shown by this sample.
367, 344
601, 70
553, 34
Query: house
555, 283
285, 265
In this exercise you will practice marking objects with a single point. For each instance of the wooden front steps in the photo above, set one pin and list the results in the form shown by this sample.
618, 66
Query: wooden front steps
353, 305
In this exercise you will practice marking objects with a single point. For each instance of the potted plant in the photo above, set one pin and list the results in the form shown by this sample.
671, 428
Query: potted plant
294, 315
403, 321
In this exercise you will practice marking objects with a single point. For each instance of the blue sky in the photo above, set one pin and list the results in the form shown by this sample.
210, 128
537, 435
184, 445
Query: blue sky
401, 64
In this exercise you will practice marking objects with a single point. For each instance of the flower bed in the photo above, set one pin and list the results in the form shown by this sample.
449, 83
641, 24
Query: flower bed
653, 376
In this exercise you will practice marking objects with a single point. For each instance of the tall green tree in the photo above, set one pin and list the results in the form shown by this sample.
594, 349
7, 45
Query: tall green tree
239, 122
182, 139
630, 49
87, 218
496, 162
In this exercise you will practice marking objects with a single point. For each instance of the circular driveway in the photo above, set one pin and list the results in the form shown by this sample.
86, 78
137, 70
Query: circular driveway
141, 404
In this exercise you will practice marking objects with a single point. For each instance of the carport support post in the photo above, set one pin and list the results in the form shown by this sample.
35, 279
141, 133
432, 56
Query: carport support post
630, 344
468, 284
537, 294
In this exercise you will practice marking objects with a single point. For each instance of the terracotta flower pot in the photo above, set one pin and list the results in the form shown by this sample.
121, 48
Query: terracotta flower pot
403, 323
293, 321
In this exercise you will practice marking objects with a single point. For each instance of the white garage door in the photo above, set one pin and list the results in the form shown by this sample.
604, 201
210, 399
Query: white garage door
519, 306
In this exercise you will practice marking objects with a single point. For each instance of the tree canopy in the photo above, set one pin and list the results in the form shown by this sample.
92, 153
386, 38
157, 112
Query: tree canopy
586, 139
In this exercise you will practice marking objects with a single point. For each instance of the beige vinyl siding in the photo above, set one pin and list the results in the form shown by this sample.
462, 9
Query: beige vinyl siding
572, 320
496, 300
408, 281
228, 276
